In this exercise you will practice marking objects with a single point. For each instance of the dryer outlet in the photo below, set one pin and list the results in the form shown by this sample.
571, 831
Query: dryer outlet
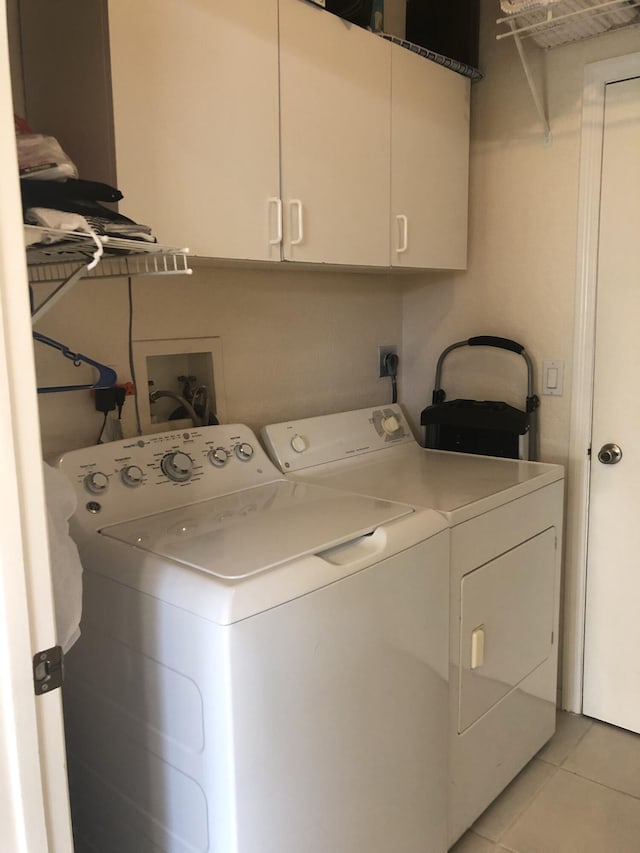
383, 352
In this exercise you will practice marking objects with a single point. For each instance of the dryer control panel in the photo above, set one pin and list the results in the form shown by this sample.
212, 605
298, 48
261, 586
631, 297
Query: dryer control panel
146, 474
295, 445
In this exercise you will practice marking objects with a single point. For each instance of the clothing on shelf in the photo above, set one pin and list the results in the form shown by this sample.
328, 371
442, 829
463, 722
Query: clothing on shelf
45, 202
50, 193
56, 219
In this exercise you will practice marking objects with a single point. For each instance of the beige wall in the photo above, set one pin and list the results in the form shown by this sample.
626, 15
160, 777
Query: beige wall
522, 252
294, 343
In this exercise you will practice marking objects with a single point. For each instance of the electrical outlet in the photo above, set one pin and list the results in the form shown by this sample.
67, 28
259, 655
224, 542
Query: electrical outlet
382, 352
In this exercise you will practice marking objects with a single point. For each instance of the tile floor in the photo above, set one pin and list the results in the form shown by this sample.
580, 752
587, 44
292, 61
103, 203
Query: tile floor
580, 794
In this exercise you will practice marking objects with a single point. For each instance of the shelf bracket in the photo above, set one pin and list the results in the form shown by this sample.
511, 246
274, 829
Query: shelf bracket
66, 285
64, 257
532, 83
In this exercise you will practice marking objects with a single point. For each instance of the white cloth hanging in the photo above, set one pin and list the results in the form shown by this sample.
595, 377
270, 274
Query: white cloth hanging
66, 568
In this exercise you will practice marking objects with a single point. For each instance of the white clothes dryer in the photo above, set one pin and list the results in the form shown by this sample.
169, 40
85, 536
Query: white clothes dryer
263, 664
506, 530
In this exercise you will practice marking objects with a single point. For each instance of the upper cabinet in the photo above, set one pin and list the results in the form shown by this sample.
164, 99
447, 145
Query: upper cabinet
335, 81
429, 163
195, 110
268, 131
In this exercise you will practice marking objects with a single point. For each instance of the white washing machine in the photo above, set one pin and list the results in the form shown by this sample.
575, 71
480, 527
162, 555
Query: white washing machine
506, 529
263, 665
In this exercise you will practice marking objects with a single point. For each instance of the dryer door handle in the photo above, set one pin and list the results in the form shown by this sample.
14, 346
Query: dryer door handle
477, 647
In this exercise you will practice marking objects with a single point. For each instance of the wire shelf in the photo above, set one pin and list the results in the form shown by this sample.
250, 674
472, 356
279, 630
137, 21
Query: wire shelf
101, 256
552, 24
64, 257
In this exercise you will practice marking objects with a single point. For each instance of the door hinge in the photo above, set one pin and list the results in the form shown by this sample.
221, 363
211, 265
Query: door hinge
47, 670
552, 637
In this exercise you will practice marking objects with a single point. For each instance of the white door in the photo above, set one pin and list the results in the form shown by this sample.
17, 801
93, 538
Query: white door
612, 635
34, 807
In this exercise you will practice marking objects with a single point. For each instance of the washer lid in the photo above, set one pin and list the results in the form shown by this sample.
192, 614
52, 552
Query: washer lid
244, 533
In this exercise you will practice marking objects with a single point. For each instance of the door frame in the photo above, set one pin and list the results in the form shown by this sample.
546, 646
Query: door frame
34, 807
597, 76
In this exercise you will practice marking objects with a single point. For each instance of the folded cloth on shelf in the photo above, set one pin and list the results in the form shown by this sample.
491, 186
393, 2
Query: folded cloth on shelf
113, 225
50, 193
121, 227
126, 232
79, 197
58, 219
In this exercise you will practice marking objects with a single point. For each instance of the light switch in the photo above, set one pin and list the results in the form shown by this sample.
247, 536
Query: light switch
553, 378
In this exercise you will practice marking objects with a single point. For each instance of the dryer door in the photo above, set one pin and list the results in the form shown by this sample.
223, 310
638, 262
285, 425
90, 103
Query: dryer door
506, 624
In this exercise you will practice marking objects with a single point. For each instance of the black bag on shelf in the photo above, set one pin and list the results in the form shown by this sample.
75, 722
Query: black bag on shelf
357, 11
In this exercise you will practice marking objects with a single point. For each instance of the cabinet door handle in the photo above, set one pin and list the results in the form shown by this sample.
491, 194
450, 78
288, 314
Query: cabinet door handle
295, 202
278, 238
403, 233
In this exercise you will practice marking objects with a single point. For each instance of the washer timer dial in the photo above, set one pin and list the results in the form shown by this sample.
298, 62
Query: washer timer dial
177, 466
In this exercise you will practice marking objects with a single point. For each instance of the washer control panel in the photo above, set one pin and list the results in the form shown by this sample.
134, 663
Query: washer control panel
142, 475
295, 445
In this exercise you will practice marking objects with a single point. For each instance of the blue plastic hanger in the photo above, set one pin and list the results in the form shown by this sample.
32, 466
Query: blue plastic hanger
107, 376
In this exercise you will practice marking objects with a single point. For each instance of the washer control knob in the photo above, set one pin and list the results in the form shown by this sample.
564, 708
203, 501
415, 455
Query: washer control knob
218, 457
97, 483
177, 466
299, 443
244, 451
132, 476
390, 425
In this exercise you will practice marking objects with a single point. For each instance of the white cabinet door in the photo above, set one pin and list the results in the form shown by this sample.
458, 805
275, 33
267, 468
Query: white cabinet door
335, 138
195, 101
429, 163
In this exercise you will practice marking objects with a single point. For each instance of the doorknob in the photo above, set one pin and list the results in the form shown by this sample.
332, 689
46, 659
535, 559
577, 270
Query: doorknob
610, 454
